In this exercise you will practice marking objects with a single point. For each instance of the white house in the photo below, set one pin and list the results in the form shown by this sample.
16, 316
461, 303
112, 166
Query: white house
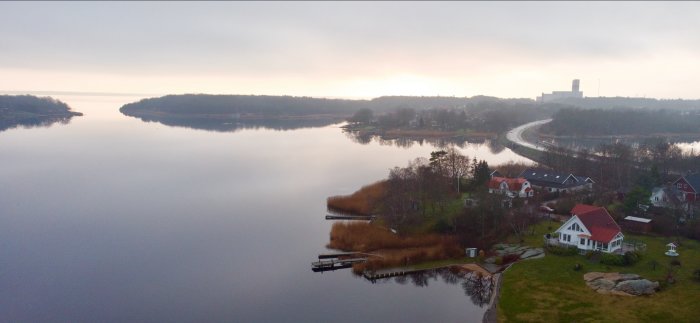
511, 187
591, 228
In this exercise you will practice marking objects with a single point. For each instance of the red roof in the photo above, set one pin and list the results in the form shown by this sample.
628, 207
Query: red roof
514, 184
583, 208
599, 222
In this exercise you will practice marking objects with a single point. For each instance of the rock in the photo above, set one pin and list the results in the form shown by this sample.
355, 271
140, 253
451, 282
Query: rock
638, 287
620, 284
529, 253
500, 246
601, 285
592, 276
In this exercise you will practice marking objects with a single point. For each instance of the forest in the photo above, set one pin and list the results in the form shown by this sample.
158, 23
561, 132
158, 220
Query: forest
28, 111
622, 121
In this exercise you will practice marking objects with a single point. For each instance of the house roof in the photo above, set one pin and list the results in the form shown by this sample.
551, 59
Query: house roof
599, 222
551, 178
694, 181
636, 219
582, 208
514, 184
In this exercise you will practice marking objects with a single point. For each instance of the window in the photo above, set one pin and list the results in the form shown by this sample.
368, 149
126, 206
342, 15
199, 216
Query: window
575, 227
583, 241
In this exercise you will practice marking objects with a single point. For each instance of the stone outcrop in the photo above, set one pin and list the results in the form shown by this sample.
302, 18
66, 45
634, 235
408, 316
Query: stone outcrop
620, 284
524, 252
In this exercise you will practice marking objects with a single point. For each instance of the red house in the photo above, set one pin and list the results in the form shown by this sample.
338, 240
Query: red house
689, 185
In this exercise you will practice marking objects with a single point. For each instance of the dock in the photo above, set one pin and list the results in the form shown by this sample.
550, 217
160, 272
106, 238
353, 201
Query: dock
351, 217
338, 255
323, 265
373, 275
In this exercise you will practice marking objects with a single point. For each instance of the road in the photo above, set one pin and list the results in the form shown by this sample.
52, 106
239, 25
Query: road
516, 135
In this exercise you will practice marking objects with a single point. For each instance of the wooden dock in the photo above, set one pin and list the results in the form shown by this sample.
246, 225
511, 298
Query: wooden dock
335, 263
338, 255
351, 217
374, 275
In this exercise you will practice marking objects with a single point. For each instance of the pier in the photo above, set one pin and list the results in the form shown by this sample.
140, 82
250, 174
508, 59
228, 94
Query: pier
374, 275
351, 217
333, 264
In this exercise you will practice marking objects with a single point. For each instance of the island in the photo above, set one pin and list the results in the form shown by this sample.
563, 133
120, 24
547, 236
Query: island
32, 111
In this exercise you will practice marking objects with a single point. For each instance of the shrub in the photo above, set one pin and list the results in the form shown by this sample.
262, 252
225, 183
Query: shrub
499, 260
562, 251
631, 258
612, 260
510, 258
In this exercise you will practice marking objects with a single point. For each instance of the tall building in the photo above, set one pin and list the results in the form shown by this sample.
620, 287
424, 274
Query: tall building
558, 95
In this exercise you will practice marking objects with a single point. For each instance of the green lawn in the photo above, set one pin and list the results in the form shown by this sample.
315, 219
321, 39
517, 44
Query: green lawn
548, 289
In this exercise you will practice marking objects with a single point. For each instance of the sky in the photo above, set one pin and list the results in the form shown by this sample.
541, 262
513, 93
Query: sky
352, 49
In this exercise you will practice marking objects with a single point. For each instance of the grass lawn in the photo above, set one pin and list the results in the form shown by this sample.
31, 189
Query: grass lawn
548, 289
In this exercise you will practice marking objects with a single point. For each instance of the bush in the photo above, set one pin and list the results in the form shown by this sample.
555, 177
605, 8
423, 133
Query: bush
499, 260
562, 251
631, 258
612, 260
510, 258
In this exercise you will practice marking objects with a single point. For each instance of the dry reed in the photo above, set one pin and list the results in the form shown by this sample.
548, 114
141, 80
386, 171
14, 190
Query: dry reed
363, 201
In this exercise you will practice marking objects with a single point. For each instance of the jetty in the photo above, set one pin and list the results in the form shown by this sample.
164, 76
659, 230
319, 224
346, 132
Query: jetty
351, 217
374, 275
338, 255
333, 264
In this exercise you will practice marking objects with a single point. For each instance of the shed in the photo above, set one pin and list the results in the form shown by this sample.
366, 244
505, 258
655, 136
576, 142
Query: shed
636, 224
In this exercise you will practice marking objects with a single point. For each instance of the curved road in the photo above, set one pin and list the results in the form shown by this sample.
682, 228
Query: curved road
516, 134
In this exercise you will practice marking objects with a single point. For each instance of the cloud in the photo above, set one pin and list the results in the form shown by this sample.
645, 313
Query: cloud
332, 42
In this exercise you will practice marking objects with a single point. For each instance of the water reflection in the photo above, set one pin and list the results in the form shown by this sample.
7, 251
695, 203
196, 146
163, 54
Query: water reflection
233, 125
461, 141
475, 285
34, 122
686, 143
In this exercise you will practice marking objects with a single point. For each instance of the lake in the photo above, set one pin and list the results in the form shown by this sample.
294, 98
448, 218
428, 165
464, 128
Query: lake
109, 218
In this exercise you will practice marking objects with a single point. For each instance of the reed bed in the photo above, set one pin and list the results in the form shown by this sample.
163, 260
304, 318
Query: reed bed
362, 202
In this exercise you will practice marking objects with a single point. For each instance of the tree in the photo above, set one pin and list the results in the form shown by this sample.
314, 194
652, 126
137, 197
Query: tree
457, 165
480, 173
364, 115
638, 195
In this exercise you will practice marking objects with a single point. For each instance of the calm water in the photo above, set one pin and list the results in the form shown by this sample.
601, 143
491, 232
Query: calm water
110, 218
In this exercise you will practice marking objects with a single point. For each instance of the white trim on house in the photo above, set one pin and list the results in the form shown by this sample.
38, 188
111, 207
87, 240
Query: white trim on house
574, 233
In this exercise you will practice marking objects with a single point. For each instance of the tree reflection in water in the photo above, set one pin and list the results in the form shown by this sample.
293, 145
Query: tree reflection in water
365, 138
476, 285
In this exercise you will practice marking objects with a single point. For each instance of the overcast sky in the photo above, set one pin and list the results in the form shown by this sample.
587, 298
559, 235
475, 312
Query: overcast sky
353, 49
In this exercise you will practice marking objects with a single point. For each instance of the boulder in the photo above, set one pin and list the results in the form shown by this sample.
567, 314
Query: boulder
529, 253
620, 284
638, 287
592, 276
601, 285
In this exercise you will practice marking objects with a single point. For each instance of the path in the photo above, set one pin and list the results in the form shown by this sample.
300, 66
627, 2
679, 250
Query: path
516, 134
